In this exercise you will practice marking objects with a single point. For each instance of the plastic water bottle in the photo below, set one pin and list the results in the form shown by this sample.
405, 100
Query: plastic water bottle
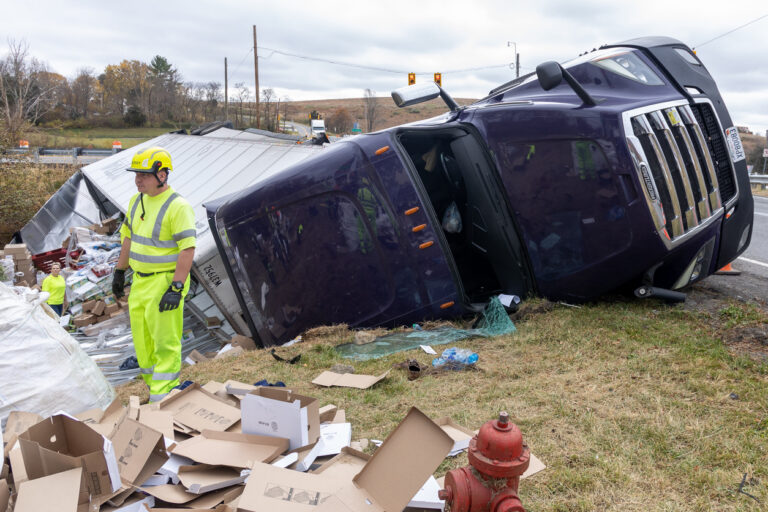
456, 355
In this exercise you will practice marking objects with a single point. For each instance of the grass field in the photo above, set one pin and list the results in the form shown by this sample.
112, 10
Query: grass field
633, 406
99, 138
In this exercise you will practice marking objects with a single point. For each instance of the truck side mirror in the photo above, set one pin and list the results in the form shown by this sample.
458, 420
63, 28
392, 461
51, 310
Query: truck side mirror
550, 74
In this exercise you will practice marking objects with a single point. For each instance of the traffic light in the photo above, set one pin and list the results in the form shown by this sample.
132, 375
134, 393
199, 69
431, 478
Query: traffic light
439, 79
411, 78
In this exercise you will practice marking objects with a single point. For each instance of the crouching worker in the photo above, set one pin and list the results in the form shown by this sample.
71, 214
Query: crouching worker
55, 285
158, 243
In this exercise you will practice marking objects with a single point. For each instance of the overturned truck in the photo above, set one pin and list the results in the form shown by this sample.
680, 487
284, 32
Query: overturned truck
620, 169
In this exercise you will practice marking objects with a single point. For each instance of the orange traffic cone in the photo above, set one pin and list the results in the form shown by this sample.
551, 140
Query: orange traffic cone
728, 270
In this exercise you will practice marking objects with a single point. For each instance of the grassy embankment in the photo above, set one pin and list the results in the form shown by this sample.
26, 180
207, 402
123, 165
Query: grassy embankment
99, 138
631, 405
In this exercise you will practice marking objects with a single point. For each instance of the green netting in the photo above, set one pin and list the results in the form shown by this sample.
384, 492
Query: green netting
494, 321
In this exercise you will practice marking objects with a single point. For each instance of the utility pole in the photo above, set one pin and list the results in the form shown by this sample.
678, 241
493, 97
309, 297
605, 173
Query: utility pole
517, 58
256, 74
226, 94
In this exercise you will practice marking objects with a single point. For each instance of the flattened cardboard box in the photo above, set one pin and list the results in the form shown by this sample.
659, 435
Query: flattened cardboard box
200, 410
229, 449
140, 451
460, 435
103, 422
60, 442
394, 474
281, 413
388, 480
347, 380
204, 478
59, 492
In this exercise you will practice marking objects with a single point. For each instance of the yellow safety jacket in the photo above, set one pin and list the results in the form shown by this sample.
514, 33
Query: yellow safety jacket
166, 229
56, 286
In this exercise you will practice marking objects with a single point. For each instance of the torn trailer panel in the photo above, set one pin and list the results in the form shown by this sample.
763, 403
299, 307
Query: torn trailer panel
204, 168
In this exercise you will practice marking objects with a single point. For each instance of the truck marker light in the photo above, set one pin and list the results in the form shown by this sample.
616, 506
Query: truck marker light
446, 305
426, 244
729, 213
382, 150
411, 211
418, 228
666, 234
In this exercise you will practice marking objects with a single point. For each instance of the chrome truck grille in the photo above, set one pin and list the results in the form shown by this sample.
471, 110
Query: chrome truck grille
680, 156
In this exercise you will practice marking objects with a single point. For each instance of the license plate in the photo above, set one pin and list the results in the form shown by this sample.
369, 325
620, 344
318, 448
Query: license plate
735, 148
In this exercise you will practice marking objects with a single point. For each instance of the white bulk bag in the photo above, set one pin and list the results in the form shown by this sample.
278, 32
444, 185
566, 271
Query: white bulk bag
42, 368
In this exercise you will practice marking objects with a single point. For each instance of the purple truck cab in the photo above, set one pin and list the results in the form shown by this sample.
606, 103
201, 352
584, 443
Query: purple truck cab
625, 173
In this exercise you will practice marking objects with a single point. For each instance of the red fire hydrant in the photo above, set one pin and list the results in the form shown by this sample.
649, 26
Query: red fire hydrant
498, 457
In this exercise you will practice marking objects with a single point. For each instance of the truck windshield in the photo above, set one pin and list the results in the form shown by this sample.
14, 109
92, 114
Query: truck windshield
629, 65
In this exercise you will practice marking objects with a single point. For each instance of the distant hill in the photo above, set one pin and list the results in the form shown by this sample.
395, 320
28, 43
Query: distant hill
387, 115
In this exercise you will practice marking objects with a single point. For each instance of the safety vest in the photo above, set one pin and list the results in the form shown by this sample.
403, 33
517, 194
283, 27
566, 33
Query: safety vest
167, 228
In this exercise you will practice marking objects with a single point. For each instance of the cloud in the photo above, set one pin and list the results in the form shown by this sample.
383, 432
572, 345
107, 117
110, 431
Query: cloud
397, 36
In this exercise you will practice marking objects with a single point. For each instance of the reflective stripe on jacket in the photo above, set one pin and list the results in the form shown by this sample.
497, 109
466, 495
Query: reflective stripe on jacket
168, 227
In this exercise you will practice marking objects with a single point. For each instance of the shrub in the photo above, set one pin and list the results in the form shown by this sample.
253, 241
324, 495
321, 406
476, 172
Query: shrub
135, 117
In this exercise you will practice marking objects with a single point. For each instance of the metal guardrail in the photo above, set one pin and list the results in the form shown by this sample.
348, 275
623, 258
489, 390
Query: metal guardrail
59, 156
758, 179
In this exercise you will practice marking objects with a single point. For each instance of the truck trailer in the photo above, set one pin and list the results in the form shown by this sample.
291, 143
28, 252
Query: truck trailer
620, 170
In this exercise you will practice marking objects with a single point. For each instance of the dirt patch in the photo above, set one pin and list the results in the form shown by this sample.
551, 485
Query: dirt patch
722, 293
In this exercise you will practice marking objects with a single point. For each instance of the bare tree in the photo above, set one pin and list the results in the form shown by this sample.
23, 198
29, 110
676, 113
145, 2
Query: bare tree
268, 98
370, 109
340, 121
241, 97
83, 88
212, 98
23, 97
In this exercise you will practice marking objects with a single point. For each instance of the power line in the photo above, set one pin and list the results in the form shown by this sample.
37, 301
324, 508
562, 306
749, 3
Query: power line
731, 31
376, 68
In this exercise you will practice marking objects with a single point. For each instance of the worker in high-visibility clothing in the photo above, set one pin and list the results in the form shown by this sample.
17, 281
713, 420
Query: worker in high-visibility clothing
158, 243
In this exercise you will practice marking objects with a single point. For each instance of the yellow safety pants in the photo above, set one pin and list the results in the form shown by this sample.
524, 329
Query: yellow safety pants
156, 335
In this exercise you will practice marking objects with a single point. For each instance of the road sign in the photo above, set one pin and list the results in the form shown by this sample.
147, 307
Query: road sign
765, 152
411, 78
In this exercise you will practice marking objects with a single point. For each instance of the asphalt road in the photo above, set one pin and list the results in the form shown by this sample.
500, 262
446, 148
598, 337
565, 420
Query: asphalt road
755, 258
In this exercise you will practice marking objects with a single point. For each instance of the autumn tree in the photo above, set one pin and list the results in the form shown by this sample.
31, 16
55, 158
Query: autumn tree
23, 94
370, 109
125, 84
340, 121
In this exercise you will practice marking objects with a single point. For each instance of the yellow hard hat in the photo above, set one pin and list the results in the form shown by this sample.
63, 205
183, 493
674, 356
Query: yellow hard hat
151, 160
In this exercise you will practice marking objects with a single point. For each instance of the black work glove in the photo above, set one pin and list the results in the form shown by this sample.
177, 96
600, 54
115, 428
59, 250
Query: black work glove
118, 283
170, 300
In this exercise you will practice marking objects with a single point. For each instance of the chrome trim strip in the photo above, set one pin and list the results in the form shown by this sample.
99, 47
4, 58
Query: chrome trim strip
690, 213
646, 182
677, 221
702, 203
689, 119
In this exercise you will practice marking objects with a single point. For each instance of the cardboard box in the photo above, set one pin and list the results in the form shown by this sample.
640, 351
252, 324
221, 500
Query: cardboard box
203, 478
5, 495
388, 481
228, 449
88, 306
169, 493
18, 470
112, 308
15, 250
59, 492
140, 451
103, 422
162, 421
83, 320
279, 412
344, 466
243, 342
62, 442
196, 409
231, 352
460, 435
394, 474
347, 380
17, 423
99, 308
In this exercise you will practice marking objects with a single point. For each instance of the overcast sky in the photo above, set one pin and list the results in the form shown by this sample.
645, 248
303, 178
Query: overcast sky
393, 36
